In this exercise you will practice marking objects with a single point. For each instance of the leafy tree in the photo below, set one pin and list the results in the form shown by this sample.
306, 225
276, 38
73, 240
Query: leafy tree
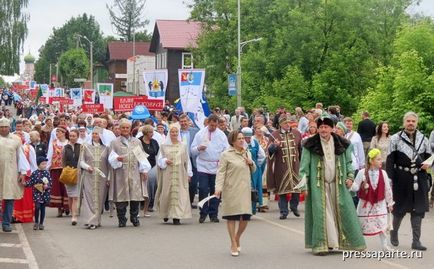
13, 32
127, 17
73, 64
407, 84
65, 38
311, 51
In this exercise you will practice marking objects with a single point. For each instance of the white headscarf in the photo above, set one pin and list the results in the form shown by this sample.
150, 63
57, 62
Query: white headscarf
168, 139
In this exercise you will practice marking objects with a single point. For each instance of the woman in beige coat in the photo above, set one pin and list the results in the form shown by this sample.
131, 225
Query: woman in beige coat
234, 187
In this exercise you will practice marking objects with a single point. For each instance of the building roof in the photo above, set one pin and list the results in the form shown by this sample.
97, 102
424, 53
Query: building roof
121, 50
175, 34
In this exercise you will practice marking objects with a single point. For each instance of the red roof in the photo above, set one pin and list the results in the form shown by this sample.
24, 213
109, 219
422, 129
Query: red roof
177, 34
121, 50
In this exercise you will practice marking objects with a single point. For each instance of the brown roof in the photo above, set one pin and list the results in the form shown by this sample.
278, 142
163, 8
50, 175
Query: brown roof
176, 34
121, 50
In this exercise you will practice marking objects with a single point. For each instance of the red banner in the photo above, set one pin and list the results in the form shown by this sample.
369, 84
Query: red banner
92, 108
127, 103
88, 96
61, 100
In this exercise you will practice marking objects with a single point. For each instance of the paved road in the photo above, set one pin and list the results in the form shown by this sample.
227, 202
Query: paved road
268, 243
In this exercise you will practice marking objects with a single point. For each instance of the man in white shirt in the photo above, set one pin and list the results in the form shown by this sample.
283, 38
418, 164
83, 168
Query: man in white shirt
208, 144
236, 120
358, 154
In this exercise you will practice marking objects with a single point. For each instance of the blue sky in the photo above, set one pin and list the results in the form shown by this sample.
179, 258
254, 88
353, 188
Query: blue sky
46, 14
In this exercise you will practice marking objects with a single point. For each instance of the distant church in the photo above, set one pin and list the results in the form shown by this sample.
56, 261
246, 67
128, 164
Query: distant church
29, 68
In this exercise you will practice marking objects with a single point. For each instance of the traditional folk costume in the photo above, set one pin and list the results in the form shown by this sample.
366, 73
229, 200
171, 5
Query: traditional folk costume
41, 183
59, 197
24, 208
375, 194
172, 197
263, 143
258, 157
330, 217
92, 187
410, 184
283, 165
12, 162
126, 185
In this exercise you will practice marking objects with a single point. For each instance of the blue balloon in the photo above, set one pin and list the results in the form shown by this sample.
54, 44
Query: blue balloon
140, 113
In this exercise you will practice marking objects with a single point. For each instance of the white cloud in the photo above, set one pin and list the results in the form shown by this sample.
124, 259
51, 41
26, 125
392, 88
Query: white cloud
47, 14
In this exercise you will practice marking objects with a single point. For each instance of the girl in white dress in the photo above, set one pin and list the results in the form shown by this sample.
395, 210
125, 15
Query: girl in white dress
376, 199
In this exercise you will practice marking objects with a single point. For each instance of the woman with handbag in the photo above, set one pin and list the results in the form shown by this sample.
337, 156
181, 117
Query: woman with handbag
58, 198
233, 185
71, 154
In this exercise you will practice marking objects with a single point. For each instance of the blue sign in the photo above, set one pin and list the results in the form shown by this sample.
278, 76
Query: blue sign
232, 84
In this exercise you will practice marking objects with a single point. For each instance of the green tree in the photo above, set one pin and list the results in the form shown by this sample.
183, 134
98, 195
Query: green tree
73, 64
407, 84
65, 38
13, 32
127, 17
311, 51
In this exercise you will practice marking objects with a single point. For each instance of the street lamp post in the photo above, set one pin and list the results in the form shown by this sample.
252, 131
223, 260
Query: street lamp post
240, 50
91, 58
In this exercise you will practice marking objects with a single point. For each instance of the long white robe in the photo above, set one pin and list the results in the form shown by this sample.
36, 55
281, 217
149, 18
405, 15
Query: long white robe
12, 162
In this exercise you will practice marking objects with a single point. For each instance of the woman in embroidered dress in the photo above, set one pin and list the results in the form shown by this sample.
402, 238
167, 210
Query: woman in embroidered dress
376, 199
59, 197
173, 198
93, 183
24, 208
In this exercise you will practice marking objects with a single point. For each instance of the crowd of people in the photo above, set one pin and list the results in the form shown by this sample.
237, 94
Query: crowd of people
351, 180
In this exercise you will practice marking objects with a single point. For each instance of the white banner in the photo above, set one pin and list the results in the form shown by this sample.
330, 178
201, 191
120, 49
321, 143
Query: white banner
155, 84
191, 82
105, 94
77, 96
58, 92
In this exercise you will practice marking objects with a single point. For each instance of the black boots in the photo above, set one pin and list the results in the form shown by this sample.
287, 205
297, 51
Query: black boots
416, 225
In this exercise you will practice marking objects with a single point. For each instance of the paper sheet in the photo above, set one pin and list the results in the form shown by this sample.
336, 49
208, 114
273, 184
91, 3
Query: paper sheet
140, 154
203, 201
100, 173
429, 161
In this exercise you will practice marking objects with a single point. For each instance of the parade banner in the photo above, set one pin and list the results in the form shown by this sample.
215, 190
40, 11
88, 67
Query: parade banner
89, 96
105, 93
155, 84
128, 103
191, 84
92, 108
77, 96
59, 92
232, 84
61, 100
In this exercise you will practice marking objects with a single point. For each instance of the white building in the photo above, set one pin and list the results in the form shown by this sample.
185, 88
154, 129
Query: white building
135, 67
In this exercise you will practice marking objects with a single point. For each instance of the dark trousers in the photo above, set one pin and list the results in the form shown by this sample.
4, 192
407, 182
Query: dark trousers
121, 209
8, 209
293, 203
192, 185
39, 213
207, 187
416, 224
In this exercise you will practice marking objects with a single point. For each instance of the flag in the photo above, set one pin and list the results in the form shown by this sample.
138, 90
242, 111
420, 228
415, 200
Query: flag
38, 95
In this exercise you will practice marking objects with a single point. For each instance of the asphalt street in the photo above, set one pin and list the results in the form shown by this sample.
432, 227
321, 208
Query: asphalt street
267, 243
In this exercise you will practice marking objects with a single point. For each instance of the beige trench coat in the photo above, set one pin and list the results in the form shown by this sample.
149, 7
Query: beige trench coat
233, 179
10, 152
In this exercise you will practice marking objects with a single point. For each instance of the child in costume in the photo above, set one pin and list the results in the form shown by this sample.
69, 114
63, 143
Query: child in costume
376, 199
40, 180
